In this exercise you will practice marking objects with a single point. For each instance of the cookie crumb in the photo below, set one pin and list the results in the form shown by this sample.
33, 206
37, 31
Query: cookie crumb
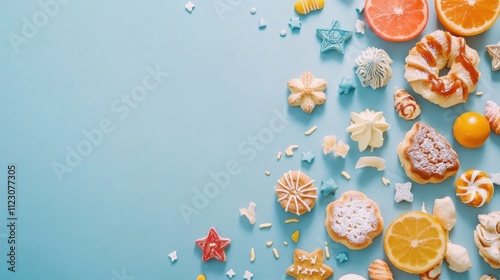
291, 220
267, 173
276, 254
479, 93
295, 236
252, 255
289, 150
265, 225
385, 181
346, 175
269, 243
311, 130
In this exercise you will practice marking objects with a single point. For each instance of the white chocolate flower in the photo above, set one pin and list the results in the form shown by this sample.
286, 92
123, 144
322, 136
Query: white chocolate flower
374, 67
329, 143
306, 92
367, 129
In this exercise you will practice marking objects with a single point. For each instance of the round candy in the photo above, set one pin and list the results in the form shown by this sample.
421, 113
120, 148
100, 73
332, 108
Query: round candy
471, 129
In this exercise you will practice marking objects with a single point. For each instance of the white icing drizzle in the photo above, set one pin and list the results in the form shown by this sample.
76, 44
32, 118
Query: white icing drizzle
294, 192
474, 188
309, 5
374, 67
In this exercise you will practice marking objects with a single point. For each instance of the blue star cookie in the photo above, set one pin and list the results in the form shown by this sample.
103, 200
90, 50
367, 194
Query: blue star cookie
309, 156
328, 187
295, 23
333, 38
346, 86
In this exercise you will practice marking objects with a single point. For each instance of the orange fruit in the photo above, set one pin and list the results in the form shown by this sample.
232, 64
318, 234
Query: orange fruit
396, 20
467, 17
471, 129
415, 242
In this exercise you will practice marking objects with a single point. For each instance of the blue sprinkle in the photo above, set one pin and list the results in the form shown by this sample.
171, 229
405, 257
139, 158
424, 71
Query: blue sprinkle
342, 257
309, 156
328, 187
346, 86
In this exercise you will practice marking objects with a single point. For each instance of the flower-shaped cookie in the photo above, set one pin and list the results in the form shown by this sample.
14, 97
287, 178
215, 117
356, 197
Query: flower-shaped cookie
307, 92
367, 129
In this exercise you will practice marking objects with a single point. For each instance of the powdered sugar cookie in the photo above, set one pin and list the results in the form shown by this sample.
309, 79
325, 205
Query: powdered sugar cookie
296, 192
354, 220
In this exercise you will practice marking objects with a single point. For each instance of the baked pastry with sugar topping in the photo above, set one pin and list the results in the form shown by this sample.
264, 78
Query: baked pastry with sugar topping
296, 192
434, 52
379, 270
354, 220
474, 188
487, 238
426, 156
492, 114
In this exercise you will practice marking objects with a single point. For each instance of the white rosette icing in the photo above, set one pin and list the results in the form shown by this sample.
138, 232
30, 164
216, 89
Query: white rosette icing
367, 129
374, 67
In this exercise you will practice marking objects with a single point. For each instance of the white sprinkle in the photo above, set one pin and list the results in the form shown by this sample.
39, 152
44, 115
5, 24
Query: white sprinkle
278, 156
291, 220
267, 173
385, 181
479, 93
253, 10
285, 243
252, 255
262, 23
269, 243
276, 254
311, 130
346, 175
173, 256
265, 225
283, 33
327, 252
189, 6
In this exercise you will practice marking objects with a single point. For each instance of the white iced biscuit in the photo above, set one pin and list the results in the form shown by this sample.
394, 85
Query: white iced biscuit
457, 257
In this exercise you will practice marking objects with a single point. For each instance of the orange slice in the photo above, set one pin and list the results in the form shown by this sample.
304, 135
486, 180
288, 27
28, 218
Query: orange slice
397, 20
415, 242
467, 17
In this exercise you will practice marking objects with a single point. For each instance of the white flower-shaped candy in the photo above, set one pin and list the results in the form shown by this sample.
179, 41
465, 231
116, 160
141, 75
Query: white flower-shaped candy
367, 129
306, 92
403, 192
329, 143
374, 67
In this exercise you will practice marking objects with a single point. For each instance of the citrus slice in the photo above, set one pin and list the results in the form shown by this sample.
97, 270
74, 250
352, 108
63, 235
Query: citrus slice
467, 17
397, 20
415, 242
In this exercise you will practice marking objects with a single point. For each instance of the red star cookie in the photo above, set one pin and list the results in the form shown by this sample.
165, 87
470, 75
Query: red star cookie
213, 246
309, 266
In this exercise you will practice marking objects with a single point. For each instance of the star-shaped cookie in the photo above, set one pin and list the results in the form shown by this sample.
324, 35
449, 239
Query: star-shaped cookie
333, 38
309, 266
307, 92
494, 52
213, 246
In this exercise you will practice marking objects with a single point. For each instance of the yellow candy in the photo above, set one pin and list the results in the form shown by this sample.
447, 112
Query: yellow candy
295, 236
201, 277
306, 6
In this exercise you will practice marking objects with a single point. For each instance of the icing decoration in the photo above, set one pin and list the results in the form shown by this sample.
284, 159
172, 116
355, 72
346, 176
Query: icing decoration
328, 187
333, 38
474, 188
304, 7
406, 106
213, 246
294, 193
341, 149
295, 23
252, 255
352, 276
457, 257
494, 52
307, 92
385, 181
492, 114
403, 192
444, 211
329, 143
189, 6
342, 257
311, 130
374, 67
367, 129
380, 270
309, 266
253, 10
265, 225
230, 273
308, 156
249, 212
487, 238
291, 220
248, 275
376, 162
495, 178
173, 256
346, 86
262, 23
360, 27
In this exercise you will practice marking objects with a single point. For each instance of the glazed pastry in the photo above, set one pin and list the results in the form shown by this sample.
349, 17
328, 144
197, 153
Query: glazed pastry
367, 129
379, 270
444, 211
487, 238
434, 52
457, 257
307, 92
353, 220
296, 192
426, 156
434, 273
374, 67
406, 106
492, 114
474, 188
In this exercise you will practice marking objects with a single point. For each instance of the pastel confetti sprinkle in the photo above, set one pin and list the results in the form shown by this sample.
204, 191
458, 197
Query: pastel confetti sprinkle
342, 257
262, 23
328, 187
295, 23
308, 156
385, 181
346, 86
253, 10
346, 175
173, 256
495, 178
248, 275
291, 220
230, 273
283, 33
311, 130
333, 38
189, 6
403, 192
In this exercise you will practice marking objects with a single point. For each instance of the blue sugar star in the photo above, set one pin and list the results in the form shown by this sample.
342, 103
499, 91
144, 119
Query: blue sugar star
346, 86
309, 156
333, 38
295, 23
328, 187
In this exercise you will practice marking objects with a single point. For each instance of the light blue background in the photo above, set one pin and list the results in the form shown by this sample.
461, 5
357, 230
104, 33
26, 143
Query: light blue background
116, 214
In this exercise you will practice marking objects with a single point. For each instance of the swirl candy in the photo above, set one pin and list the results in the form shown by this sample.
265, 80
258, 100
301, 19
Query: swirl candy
406, 106
474, 188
